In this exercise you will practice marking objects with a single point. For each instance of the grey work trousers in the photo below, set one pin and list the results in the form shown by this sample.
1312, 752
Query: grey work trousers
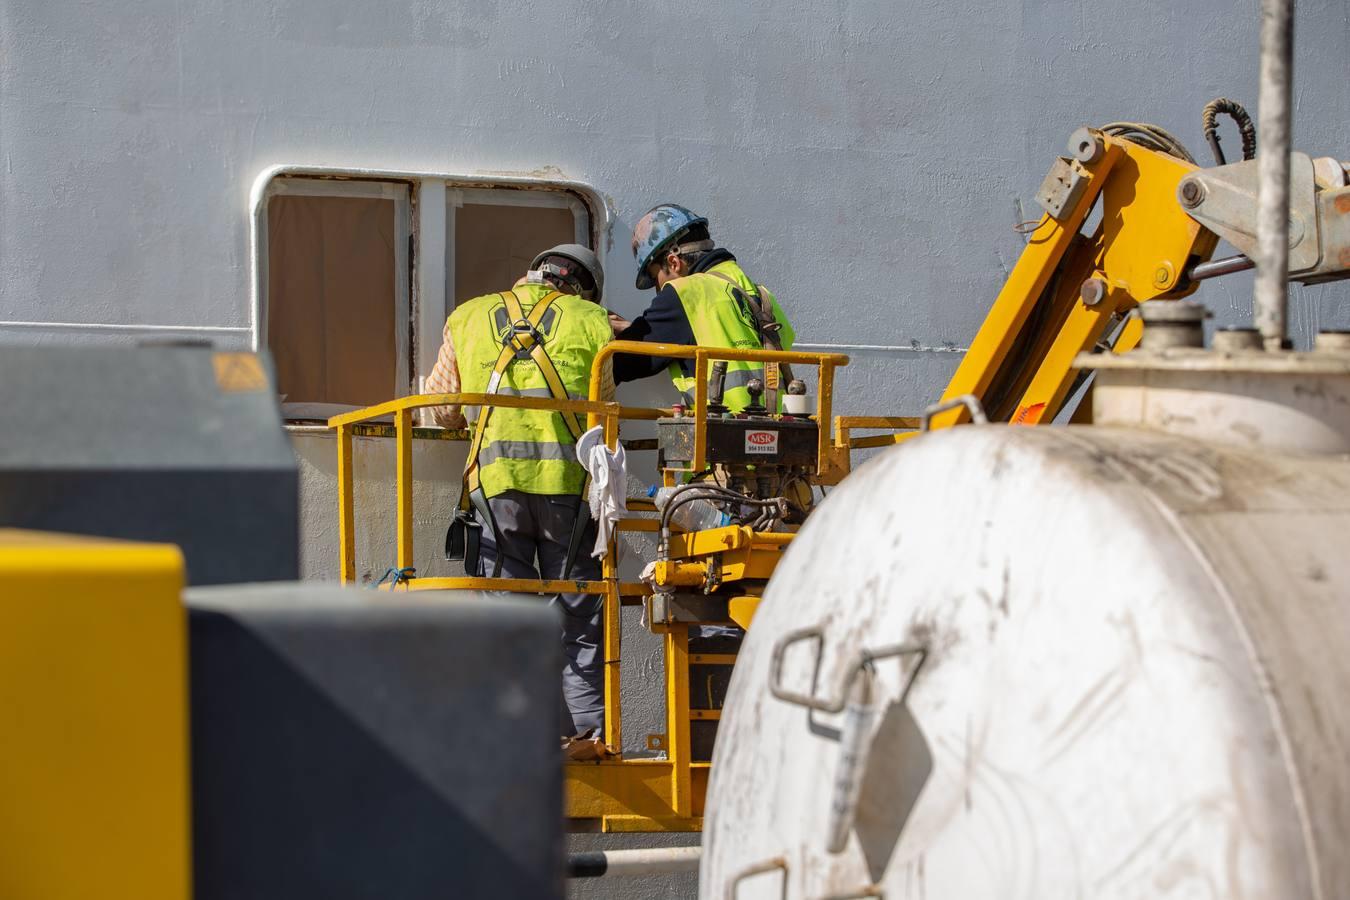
540, 526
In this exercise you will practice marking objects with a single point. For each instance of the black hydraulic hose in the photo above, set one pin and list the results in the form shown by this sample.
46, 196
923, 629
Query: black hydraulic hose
724, 494
689, 493
1210, 122
684, 497
685, 494
1151, 136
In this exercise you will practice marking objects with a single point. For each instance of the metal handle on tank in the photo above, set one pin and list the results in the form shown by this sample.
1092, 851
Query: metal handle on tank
763, 868
855, 669
855, 695
969, 401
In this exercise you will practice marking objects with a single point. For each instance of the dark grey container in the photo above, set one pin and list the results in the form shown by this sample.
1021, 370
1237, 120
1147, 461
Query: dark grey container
182, 445
348, 743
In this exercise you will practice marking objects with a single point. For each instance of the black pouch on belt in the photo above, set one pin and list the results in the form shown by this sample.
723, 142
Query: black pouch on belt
462, 539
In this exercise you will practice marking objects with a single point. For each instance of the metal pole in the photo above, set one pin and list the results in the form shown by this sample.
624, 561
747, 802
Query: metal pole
1272, 223
656, 861
1226, 266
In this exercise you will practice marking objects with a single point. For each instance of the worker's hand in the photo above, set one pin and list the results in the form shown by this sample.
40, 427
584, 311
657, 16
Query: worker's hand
617, 322
447, 420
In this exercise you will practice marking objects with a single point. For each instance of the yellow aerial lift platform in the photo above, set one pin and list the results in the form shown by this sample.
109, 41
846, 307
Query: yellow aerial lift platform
702, 578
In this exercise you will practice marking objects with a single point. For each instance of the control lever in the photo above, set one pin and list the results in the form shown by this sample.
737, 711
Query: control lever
717, 387
755, 388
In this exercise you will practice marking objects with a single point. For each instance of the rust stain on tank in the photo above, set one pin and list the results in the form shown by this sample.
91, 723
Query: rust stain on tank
1343, 203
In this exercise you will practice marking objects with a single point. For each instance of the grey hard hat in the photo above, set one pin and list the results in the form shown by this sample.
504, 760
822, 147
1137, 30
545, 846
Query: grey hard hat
582, 256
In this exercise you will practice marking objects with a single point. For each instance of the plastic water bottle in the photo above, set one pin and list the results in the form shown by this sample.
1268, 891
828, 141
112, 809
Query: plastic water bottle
691, 515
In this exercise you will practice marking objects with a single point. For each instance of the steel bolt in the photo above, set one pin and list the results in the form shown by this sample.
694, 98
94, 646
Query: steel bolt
1192, 193
1092, 291
1162, 276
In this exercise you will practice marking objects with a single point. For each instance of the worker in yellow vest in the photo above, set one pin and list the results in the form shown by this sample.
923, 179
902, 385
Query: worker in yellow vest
521, 512
703, 297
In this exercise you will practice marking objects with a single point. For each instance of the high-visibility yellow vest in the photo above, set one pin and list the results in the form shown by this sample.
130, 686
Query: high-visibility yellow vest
528, 450
719, 319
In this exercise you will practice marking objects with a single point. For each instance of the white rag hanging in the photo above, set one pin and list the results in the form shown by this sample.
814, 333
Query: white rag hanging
609, 484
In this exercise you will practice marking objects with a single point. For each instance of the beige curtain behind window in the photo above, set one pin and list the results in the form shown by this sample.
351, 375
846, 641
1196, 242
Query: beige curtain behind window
330, 298
494, 245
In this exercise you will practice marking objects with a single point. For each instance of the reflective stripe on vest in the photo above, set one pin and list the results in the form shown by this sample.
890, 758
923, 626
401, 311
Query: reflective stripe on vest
471, 412
528, 450
719, 320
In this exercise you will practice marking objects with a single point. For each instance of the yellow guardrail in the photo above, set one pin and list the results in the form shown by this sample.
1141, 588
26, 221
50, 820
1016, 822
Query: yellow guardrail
825, 364
401, 409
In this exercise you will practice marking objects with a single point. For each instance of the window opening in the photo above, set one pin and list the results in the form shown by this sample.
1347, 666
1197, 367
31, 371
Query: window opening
337, 293
493, 235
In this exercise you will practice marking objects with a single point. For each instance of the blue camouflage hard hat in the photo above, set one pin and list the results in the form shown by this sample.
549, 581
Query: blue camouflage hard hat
660, 227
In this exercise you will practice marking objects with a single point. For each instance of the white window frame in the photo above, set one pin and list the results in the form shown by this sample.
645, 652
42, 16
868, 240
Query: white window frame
425, 214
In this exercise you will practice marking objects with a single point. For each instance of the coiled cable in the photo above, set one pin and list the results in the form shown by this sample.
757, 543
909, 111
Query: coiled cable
1209, 119
1150, 136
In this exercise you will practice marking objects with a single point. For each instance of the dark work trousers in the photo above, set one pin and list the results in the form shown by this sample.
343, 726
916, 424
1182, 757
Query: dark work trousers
539, 526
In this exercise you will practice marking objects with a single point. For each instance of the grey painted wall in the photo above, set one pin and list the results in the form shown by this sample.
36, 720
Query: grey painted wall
864, 157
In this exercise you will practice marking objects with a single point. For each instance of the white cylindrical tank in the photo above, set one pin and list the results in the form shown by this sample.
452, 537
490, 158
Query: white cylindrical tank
1127, 655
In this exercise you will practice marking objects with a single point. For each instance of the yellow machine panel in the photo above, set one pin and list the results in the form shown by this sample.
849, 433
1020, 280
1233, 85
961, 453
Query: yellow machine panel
94, 736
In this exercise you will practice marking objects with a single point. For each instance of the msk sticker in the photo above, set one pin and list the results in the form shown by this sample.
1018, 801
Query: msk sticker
761, 442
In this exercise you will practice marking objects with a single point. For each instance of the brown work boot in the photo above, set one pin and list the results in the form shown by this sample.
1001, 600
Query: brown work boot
585, 747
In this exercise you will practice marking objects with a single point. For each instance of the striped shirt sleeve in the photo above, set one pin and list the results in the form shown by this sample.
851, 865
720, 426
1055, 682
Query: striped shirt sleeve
444, 379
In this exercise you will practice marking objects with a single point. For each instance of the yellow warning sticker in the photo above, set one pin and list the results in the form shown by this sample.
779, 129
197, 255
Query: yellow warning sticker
239, 372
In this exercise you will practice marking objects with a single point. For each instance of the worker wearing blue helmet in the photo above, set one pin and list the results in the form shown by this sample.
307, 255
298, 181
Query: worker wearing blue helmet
703, 297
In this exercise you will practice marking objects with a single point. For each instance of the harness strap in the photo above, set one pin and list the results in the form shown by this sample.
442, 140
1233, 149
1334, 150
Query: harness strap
765, 323
533, 342
504, 360
559, 390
